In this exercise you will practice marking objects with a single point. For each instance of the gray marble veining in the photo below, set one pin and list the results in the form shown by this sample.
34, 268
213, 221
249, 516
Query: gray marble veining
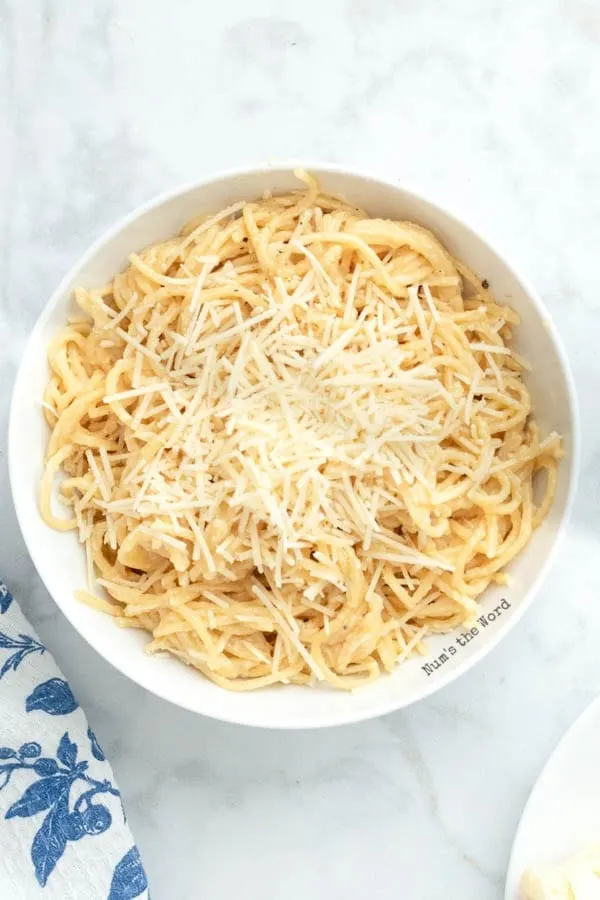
492, 108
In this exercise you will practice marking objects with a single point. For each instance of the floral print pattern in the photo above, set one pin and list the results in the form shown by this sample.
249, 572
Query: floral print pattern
60, 781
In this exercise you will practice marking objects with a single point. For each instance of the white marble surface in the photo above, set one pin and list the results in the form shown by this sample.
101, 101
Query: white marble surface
491, 107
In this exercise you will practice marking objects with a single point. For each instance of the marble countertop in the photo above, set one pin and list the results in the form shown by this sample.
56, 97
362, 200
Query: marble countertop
492, 108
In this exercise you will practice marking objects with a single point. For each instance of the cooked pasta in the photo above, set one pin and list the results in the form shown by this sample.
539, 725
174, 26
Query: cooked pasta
294, 441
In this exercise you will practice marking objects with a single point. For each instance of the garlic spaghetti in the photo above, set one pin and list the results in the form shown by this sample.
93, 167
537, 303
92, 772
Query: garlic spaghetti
294, 441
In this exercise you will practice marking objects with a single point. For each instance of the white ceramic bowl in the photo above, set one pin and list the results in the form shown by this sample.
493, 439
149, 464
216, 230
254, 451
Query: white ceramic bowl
59, 558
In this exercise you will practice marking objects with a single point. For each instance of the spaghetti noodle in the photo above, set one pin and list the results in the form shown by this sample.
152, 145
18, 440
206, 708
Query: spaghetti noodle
294, 441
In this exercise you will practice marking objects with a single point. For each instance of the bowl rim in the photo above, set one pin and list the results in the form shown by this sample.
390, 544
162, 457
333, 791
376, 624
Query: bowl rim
380, 707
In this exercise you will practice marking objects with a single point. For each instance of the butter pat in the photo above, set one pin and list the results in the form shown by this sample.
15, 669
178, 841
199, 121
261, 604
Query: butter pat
577, 879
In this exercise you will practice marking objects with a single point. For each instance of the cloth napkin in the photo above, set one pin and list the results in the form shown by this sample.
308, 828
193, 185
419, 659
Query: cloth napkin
63, 831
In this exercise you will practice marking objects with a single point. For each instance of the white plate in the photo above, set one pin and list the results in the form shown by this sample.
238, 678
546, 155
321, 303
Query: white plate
562, 814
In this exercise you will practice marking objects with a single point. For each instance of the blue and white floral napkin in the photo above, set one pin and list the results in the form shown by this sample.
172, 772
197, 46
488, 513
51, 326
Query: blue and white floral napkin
63, 831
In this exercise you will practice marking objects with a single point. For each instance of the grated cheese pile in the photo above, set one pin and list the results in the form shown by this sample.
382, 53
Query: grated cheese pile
296, 441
